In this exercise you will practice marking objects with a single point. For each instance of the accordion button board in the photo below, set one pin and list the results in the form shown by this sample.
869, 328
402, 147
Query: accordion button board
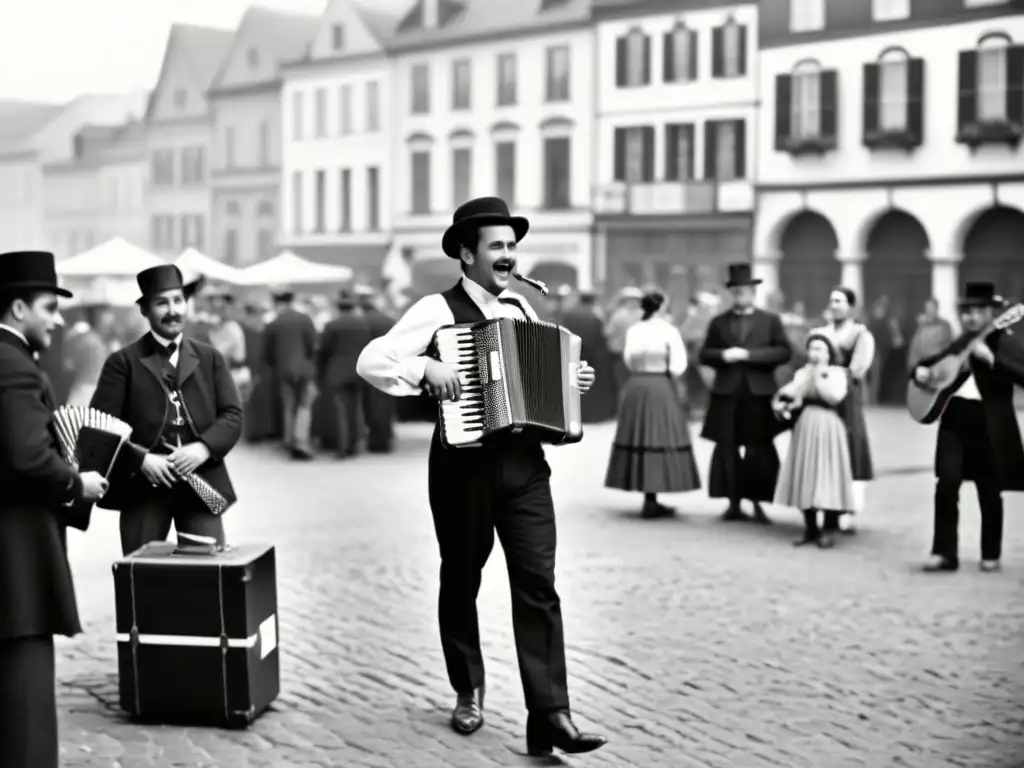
466, 420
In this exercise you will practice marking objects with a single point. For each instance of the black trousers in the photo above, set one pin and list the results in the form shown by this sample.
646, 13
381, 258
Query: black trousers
965, 453
28, 706
348, 405
150, 518
474, 492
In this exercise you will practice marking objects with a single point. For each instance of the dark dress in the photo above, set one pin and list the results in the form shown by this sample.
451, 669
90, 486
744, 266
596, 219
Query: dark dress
599, 404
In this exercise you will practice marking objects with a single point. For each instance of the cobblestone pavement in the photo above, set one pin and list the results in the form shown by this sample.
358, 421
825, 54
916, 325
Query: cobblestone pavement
691, 642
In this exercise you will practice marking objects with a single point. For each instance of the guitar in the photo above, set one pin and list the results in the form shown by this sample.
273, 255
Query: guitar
926, 402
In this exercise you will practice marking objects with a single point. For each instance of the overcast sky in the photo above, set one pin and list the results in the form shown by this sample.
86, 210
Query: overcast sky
54, 50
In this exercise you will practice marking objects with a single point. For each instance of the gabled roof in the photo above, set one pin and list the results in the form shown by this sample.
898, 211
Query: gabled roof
381, 23
276, 35
460, 20
204, 48
374, 28
18, 119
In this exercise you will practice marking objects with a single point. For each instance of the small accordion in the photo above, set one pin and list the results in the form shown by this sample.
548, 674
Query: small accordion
516, 375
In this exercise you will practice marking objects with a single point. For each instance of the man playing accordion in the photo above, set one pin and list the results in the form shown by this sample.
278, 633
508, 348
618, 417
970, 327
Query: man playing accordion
503, 485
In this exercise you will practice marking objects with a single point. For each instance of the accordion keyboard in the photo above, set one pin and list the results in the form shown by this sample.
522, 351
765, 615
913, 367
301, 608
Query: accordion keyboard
466, 420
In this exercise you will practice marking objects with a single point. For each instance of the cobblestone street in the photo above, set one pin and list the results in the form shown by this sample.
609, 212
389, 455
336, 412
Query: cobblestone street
691, 642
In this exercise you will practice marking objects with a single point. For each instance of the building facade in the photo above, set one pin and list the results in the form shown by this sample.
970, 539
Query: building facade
179, 127
676, 135
21, 189
890, 159
245, 100
336, 164
493, 98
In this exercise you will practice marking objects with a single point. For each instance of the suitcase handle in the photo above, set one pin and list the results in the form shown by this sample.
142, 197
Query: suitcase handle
192, 544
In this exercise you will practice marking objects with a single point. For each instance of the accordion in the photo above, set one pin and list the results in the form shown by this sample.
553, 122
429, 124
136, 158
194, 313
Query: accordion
516, 375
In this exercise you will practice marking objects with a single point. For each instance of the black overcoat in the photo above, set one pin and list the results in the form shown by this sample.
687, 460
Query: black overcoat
289, 347
600, 402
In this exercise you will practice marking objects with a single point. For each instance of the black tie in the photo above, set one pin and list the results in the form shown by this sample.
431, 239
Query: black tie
170, 370
512, 301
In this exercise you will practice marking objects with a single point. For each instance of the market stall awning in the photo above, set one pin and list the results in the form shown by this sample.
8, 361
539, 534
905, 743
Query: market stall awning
196, 263
289, 269
114, 258
365, 260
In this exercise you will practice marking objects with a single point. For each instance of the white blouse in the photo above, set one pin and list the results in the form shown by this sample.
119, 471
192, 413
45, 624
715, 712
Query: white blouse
654, 346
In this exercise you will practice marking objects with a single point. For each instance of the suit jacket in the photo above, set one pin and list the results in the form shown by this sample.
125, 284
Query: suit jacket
131, 388
380, 323
766, 341
340, 344
37, 595
289, 347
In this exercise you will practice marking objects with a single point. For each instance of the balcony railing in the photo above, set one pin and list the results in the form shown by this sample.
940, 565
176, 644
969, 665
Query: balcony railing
674, 198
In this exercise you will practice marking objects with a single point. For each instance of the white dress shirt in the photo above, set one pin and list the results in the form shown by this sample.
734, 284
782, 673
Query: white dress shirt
166, 342
654, 346
969, 390
394, 363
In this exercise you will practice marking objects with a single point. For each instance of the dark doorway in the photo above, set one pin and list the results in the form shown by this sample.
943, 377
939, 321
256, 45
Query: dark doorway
808, 269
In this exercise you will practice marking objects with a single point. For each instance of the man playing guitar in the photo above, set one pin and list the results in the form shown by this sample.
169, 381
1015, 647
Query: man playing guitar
979, 438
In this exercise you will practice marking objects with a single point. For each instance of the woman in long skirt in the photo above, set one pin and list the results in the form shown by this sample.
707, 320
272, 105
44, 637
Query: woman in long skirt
652, 452
817, 474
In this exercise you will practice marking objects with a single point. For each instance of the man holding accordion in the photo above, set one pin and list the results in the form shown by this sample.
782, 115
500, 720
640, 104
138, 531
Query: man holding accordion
503, 484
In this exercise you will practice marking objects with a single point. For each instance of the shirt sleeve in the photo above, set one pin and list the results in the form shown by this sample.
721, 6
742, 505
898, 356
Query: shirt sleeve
677, 361
394, 363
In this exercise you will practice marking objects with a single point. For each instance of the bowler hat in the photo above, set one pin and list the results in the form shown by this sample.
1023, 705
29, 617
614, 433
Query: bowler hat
741, 274
282, 293
165, 277
480, 212
980, 294
345, 299
31, 270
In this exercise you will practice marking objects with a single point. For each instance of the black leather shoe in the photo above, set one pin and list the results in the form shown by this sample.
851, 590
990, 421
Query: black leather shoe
733, 514
940, 564
468, 715
760, 516
556, 730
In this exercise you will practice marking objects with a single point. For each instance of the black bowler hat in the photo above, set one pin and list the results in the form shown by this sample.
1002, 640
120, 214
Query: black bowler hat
166, 277
345, 300
480, 212
741, 274
31, 270
980, 295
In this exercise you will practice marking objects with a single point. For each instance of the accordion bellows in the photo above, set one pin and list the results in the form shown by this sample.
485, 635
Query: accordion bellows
516, 376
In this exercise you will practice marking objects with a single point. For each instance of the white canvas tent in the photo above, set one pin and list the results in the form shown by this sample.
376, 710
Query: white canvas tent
192, 261
114, 258
289, 269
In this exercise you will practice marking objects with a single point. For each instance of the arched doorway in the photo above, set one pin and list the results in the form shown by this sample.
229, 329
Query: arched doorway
809, 268
994, 251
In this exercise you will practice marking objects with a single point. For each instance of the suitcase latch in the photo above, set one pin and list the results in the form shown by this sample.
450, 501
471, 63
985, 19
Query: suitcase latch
133, 637
224, 644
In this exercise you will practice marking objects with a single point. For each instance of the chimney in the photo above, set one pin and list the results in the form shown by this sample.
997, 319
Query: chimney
430, 13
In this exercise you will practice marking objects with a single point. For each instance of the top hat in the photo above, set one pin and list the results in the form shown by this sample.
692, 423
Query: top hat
741, 274
980, 295
162, 278
31, 270
479, 212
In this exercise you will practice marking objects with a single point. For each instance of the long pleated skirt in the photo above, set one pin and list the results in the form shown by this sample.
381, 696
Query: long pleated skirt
817, 473
652, 451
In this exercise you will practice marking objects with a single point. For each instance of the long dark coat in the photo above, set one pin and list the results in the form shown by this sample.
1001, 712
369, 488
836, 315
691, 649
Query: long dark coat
996, 387
289, 347
600, 402
341, 341
37, 595
131, 388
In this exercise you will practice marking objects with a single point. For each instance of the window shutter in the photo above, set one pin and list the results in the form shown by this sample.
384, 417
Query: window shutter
710, 150
740, 168
741, 48
871, 98
829, 104
648, 145
620, 61
1015, 84
692, 42
672, 152
783, 105
620, 154
647, 60
688, 131
668, 61
915, 100
717, 52
968, 101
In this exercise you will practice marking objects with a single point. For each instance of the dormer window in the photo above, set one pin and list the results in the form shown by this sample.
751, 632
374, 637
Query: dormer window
338, 37
806, 109
633, 59
893, 100
806, 15
992, 92
252, 56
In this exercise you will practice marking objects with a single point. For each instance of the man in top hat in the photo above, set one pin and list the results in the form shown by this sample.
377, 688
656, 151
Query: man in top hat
502, 485
289, 351
379, 410
744, 346
37, 595
978, 438
341, 341
178, 395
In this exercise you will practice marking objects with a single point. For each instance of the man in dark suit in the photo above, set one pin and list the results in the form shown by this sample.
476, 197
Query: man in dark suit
289, 350
744, 345
342, 340
178, 395
37, 595
979, 438
379, 408
582, 319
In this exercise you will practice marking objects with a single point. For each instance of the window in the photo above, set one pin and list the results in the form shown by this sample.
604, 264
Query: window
193, 165
337, 37
890, 10
806, 15
462, 168
372, 106
420, 89
265, 243
192, 231
893, 90
321, 202
558, 73
297, 201
321, 113
297, 108
725, 150
557, 172
679, 152
993, 69
162, 234
420, 182
163, 168
680, 54
231, 246
633, 59
634, 154
345, 110
460, 84
505, 171
507, 80
345, 199
805, 109
232, 208
229, 147
264, 144
373, 199
265, 208
729, 50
